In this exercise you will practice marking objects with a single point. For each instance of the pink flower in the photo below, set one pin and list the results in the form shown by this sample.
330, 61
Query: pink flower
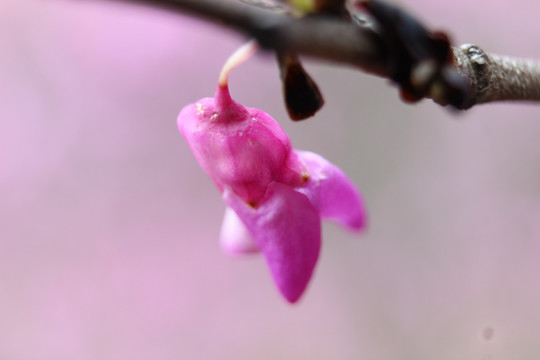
276, 196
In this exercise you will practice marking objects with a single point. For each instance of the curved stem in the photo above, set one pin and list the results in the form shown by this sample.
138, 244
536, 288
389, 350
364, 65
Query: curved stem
238, 57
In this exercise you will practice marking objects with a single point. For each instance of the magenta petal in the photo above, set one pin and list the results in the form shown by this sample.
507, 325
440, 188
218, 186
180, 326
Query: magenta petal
287, 229
235, 237
239, 147
332, 192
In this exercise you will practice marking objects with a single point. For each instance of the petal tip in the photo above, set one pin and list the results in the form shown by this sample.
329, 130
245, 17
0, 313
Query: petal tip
358, 223
293, 295
235, 237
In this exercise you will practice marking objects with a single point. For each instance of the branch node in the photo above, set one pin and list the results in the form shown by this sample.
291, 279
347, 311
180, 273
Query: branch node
479, 62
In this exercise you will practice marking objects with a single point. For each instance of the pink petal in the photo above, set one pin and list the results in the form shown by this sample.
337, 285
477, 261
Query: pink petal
235, 237
239, 147
332, 192
287, 229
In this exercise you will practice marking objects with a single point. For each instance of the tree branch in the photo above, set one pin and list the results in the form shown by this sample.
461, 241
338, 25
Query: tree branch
322, 38
497, 78
491, 78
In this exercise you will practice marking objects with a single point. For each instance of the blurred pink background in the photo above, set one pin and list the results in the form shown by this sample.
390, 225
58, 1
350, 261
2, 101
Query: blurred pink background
109, 229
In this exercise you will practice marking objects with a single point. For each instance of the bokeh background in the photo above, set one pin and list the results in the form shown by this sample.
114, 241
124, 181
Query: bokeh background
109, 230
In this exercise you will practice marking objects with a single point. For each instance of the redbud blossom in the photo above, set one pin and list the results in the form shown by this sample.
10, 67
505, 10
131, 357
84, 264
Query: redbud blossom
275, 195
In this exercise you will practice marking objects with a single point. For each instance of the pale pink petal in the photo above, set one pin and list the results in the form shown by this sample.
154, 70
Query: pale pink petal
287, 229
235, 237
332, 192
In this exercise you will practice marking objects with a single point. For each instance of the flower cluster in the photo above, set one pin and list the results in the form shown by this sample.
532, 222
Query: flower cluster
275, 195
